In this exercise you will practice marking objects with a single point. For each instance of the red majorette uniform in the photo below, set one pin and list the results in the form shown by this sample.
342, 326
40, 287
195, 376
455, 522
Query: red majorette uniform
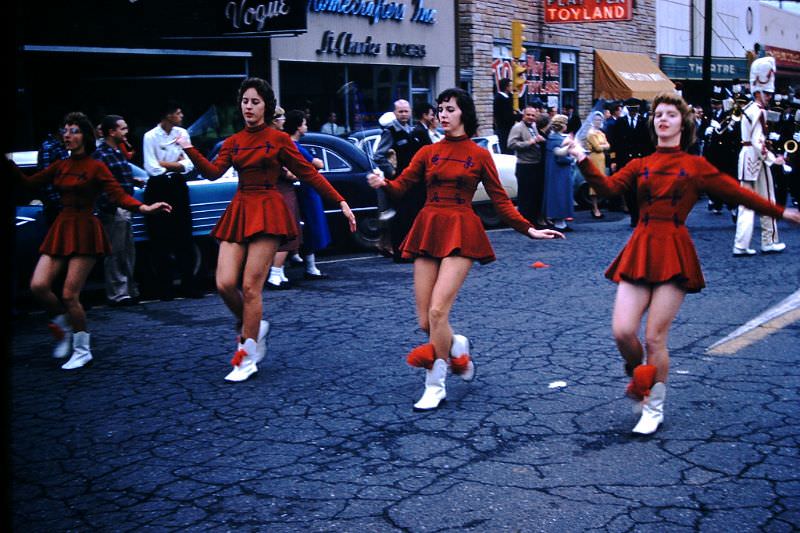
668, 184
447, 225
257, 208
79, 180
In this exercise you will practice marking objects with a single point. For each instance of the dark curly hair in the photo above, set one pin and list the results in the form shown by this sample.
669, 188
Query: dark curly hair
76, 118
687, 118
294, 119
266, 93
469, 117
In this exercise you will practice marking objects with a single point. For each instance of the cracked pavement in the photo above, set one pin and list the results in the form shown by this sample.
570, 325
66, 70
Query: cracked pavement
323, 437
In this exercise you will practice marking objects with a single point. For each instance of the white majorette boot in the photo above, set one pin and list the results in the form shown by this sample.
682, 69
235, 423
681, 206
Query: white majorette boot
652, 410
460, 360
244, 364
62, 333
81, 353
261, 343
434, 387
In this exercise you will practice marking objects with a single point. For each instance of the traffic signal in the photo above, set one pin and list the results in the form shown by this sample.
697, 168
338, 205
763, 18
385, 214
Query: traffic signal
518, 81
516, 39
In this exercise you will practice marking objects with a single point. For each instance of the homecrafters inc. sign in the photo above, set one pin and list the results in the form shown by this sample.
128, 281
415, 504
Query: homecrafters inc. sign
574, 11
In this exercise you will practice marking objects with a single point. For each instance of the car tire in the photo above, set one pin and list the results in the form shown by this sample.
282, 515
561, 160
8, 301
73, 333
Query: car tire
368, 231
487, 214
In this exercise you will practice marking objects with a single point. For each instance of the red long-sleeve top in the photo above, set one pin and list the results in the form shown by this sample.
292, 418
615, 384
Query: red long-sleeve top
258, 154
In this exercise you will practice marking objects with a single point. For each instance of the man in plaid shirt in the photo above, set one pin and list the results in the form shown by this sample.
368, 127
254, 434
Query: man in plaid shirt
121, 288
51, 150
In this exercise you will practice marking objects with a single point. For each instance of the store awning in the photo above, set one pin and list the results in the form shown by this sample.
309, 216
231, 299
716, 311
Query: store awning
621, 75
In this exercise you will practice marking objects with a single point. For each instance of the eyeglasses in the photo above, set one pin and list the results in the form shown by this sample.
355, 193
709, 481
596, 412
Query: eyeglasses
279, 118
73, 130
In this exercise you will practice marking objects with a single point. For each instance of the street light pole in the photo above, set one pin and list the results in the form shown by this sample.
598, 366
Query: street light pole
707, 33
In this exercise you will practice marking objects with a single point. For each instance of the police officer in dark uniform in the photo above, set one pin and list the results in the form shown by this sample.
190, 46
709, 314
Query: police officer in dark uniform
723, 140
630, 139
784, 130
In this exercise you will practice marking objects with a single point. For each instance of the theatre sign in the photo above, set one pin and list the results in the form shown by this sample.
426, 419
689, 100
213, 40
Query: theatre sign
573, 11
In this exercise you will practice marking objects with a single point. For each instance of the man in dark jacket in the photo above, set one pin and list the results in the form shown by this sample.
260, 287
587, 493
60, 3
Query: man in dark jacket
629, 139
404, 140
503, 114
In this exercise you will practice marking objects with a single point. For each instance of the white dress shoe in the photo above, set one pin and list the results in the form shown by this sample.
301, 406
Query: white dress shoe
62, 333
743, 252
435, 392
261, 343
774, 248
244, 364
460, 348
652, 411
81, 353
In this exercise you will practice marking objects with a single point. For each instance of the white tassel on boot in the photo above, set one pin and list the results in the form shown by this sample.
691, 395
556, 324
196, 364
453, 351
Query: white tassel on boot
245, 354
461, 348
62, 332
81, 352
434, 387
652, 411
261, 343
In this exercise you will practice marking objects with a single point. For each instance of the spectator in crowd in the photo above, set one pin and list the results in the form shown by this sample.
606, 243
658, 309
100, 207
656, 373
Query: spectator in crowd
167, 165
118, 266
504, 118
526, 141
558, 170
51, 150
332, 127
629, 140
597, 145
573, 120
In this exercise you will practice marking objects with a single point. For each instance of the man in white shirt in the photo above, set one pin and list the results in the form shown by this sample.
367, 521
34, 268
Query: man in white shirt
170, 235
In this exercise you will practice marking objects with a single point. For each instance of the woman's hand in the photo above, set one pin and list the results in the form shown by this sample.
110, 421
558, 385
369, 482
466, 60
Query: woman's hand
575, 149
376, 179
158, 207
792, 215
183, 142
545, 234
348, 214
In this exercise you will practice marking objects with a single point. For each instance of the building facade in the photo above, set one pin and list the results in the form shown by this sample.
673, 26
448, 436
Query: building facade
560, 39
357, 58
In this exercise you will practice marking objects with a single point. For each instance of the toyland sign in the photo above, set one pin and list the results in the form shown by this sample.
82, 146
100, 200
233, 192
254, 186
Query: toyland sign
564, 11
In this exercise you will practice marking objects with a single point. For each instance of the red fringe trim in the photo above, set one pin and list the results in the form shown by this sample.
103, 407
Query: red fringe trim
459, 364
421, 356
238, 356
644, 377
56, 331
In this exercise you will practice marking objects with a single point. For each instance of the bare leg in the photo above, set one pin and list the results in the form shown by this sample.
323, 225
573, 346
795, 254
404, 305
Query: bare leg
452, 273
629, 308
78, 269
260, 253
426, 271
280, 259
229, 268
665, 302
47, 268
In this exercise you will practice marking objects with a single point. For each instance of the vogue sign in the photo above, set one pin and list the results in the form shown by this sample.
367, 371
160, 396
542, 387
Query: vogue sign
570, 11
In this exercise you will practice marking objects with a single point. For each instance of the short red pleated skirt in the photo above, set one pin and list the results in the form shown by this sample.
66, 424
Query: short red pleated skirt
253, 213
443, 231
657, 253
75, 233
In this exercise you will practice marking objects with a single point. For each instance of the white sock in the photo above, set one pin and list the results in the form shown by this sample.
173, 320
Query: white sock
275, 276
282, 275
311, 265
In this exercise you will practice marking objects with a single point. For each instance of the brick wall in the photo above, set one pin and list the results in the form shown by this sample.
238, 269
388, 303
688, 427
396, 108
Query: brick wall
482, 22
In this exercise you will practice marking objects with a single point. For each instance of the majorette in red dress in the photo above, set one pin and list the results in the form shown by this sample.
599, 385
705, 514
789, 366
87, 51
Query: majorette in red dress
79, 180
447, 225
668, 184
257, 208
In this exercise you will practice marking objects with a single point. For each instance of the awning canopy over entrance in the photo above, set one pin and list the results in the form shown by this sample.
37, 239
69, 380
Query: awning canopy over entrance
621, 75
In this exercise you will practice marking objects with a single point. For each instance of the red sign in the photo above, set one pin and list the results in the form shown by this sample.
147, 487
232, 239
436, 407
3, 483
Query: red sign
570, 11
783, 57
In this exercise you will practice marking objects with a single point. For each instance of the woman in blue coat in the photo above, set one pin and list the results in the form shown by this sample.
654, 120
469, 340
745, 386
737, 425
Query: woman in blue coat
558, 169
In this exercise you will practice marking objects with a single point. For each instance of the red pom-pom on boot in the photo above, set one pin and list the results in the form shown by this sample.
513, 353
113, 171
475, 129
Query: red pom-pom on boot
421, 356
644, 377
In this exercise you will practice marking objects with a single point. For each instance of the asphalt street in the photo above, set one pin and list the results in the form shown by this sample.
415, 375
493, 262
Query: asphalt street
323, 438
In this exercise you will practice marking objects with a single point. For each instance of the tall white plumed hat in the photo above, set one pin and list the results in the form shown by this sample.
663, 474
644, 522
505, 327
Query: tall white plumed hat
762, 75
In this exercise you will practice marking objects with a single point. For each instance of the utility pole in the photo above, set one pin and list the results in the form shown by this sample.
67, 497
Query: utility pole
707, 33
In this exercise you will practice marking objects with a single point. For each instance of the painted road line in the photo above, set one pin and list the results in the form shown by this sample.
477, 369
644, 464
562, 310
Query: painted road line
768, 322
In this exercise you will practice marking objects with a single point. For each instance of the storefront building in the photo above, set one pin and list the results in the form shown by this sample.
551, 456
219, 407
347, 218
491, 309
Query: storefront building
563, 42
358, 57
